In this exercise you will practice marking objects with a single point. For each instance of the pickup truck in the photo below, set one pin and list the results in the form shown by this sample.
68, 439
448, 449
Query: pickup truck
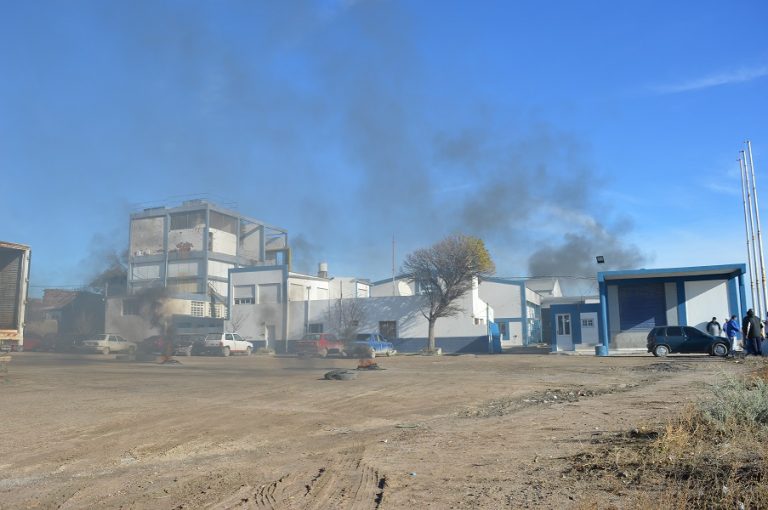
226, 344
319, 344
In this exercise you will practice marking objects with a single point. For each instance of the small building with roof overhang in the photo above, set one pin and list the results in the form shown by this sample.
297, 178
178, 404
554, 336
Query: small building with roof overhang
636, 301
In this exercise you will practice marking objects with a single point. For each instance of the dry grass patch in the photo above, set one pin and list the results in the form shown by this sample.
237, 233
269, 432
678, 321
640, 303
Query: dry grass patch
713, 455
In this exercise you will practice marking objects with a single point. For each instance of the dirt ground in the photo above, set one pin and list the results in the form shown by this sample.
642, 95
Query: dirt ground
269, 433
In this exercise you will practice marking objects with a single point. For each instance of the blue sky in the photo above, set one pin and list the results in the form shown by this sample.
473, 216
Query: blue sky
555, 131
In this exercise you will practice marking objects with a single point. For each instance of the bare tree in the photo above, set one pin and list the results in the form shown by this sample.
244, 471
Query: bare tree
345, 316
444, 273
238, 320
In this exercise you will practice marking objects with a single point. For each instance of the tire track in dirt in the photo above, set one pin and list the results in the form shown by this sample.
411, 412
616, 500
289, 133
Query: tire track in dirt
344, 481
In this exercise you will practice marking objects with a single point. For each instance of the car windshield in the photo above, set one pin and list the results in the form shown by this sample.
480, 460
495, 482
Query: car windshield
363, 337
213, 337
100, 337
312, 336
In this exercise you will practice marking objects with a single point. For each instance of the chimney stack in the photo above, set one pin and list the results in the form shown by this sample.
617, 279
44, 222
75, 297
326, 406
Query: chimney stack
322, 270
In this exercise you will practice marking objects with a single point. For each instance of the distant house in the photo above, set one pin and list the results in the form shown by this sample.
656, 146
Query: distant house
545, 287
66, 314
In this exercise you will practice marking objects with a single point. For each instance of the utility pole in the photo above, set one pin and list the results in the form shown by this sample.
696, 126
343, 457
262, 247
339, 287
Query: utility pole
757, 304
759, 235
746, 228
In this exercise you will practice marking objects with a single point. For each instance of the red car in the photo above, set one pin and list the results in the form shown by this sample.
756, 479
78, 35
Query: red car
319, 344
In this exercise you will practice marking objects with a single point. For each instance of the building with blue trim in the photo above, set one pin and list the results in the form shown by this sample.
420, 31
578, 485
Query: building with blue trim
188, 250
636, 301
575, 324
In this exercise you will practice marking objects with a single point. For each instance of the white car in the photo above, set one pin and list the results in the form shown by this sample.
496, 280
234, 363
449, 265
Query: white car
227, 343
107, 344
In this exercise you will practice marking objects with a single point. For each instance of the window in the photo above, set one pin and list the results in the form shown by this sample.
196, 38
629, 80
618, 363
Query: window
388, 329
564, 324
197, 309
229, 336
504, 330
297, 292
187, 220
223, 222
131, 307
587, 323
269, 293
183, 286
315, 328
424, 288
244, 294
675, 331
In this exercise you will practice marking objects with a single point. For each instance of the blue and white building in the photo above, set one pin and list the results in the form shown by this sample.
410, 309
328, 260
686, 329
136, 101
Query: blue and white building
634, 302
575, 323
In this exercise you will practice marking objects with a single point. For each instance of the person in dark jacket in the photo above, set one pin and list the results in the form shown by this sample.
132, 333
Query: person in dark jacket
751, 328
713, 327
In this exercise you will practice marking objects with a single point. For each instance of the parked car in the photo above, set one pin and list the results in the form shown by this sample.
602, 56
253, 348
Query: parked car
188, 345
685, 339
152, 345
319, 344
226, 344
376, 344
107, 344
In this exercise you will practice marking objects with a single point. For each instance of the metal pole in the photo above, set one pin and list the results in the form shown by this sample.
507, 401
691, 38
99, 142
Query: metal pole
746, 227
394, 286
759, 235
757, 304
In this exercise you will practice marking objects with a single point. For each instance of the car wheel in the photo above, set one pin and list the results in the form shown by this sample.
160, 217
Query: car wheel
188, 351
720, 349
389, 352
372, 353
105, 351
660, 351
225, 351
248, 351
322, 353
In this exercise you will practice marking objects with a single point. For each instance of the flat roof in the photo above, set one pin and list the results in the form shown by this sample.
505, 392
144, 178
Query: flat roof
670, 272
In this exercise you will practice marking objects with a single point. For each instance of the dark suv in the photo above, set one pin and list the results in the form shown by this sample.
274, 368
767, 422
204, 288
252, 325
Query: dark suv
685, 339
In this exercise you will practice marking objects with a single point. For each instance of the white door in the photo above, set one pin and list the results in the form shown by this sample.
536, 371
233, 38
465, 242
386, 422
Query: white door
564, 338
589, 332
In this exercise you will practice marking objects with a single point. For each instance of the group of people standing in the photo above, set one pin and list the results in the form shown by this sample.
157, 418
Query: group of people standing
752, 333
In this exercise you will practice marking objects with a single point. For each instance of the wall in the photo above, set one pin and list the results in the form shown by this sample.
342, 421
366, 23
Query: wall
223, 242
704, 300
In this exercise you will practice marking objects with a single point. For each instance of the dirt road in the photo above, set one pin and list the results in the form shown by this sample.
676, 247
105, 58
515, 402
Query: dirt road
269, 433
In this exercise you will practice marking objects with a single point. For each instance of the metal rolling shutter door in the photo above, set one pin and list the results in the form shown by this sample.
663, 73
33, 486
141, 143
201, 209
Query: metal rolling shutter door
643, 306
10, 271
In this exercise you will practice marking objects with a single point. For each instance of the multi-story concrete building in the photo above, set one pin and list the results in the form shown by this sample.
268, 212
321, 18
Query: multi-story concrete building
189, 250
183, 255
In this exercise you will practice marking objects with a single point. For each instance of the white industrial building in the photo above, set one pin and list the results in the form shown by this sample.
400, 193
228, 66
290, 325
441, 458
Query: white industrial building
273, 306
